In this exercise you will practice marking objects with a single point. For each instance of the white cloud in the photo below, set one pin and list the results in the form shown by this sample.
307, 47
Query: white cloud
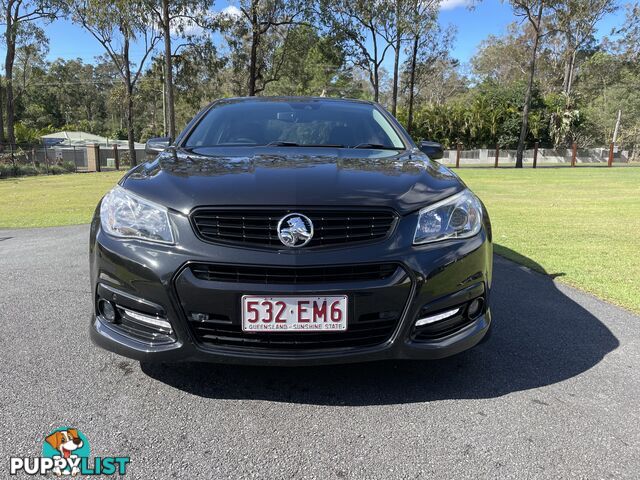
232, 11
185, 27
451, 4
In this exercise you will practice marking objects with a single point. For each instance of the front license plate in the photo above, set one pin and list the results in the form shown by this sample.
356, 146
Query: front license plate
299, 314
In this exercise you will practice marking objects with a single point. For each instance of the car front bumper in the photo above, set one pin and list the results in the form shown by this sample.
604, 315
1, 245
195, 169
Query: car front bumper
152, 281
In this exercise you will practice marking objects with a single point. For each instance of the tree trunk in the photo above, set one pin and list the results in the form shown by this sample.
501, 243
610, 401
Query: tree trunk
130, 130
253, 65
567, 61
2, 137
376, 65
129, 109
168, 67
569, 67
572, 66
376, 84
253, 60
396, 67
527, 96
10, 39
617, 127
412, 83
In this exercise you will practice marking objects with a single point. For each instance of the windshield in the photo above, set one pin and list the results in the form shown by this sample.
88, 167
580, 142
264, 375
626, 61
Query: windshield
313, 123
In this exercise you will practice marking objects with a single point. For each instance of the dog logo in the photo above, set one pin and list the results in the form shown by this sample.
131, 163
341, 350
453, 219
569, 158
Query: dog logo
65, 451
67, 446
295, 230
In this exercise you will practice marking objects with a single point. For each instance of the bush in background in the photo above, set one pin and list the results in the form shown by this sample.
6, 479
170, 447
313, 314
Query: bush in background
8, 169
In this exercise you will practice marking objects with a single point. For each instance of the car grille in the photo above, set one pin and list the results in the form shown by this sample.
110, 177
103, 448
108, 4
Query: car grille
210, 295
258, 227
292, 275
368, 330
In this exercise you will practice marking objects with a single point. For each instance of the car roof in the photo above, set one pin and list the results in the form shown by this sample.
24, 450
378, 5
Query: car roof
290, 99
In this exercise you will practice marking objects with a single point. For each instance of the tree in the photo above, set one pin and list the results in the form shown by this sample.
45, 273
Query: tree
314, 64
428, 42
438, 80
116, 25
19, 18
361, 23
407, 20
62, 93
532, 11
29, 62
172, 15
199, 78
629, 43
616, 100
395, 31
576, 21
259, 34
506, 58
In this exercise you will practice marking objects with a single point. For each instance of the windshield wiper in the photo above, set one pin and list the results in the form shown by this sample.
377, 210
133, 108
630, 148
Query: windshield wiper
377, 146
280, 143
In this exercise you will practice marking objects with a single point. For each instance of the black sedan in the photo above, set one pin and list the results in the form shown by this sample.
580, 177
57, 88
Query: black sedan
290, 231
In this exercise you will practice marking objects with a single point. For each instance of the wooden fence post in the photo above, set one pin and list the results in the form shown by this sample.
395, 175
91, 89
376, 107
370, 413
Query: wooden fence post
610, 162
495, 165
93, 157
116, 157
535, 155
458, 155
46, 158
574, 153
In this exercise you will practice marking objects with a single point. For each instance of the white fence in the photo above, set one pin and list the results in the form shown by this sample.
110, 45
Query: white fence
486, 156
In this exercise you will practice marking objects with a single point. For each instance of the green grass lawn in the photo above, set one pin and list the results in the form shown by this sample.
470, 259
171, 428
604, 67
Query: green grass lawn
581, 225
46, 201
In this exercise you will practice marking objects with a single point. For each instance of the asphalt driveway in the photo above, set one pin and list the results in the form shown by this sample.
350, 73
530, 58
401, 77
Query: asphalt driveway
554, 393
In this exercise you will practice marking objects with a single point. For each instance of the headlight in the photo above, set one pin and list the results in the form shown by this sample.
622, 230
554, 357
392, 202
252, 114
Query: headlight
459, 216
123, 214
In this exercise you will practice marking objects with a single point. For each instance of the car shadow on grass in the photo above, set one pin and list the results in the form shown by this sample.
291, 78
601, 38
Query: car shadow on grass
540, 337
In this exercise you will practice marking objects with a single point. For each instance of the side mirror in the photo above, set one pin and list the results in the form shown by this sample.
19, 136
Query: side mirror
156, 145
432, 149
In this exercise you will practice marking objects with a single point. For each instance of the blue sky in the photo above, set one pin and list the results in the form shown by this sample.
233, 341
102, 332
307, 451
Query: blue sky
492, 17
68, 41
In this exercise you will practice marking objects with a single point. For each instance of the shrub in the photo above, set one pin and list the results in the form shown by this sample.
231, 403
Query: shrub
25, 134
69, 166
28, 169
25, 170
57, 170
6, 170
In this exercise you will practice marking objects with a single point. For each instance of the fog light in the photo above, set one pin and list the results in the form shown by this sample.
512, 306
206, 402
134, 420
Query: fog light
107, 310
475, 308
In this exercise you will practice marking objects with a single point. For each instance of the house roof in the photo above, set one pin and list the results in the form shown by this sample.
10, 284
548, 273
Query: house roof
69, 138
